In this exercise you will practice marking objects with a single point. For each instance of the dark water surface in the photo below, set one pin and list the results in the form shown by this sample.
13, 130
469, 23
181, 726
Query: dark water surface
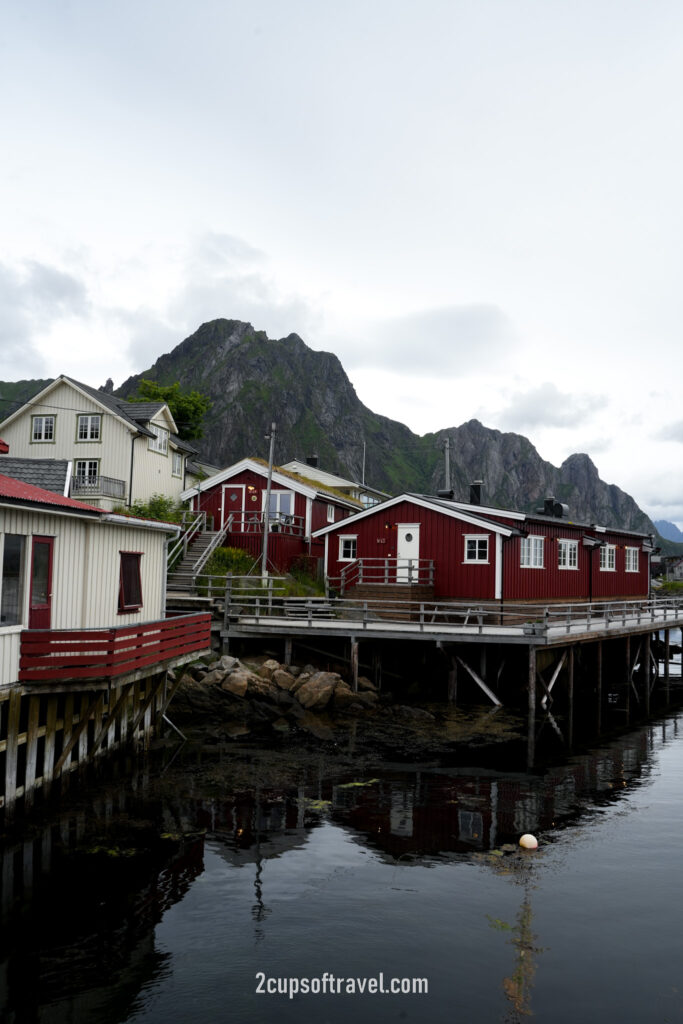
167, 900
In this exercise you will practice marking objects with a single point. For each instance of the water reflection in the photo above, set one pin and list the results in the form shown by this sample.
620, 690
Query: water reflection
83, 896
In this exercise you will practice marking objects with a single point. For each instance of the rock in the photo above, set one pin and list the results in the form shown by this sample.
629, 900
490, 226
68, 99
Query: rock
318, 690
213, 678
262, 689
285, 680
268, 667
311, 723
366, 684
417, 714
281, 725
236, 683
225, 664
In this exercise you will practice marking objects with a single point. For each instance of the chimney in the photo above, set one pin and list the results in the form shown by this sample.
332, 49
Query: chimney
312, 460
475, 492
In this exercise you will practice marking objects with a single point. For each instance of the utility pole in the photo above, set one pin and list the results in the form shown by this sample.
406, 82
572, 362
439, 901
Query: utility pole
363, 475
447, 452
266, 511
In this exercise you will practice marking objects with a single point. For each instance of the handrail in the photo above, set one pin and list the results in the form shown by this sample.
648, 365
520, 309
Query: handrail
197, 523
386, 570
209, 550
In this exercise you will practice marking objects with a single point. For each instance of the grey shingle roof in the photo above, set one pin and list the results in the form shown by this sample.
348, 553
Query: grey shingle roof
50, 474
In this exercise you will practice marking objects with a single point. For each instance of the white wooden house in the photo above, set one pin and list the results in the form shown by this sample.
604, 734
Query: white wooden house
121, 452
67, 567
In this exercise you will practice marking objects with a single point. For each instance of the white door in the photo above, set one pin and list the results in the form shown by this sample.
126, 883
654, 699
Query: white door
407, 552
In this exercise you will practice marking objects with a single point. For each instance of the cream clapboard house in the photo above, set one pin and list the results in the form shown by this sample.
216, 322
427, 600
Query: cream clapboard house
67, 565
120, 452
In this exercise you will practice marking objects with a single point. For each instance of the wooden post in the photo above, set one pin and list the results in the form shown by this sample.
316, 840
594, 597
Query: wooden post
570, 726
376, 669
667, 656
599, 652
288, 650
354, 665
628, 677
13, 712
531, 738
646, 674
31, 749
453, 681
49, 749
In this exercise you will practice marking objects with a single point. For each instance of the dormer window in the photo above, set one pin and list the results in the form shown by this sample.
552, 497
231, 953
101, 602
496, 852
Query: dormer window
159, 443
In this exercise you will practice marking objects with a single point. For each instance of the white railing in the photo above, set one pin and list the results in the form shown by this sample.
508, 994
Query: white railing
216, 542
194, 523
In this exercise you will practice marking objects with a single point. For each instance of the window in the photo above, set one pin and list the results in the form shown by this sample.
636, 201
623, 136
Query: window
531, 552
12, 580
347, 548
158, 443
130, 584
608, 558
632, 559
87, 473
476, 548
177, 464
567, 554
88, 428
330, 513
42, 428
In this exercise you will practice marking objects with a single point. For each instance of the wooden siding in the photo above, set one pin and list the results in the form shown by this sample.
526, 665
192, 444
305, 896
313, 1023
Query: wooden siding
86, 566
442, 539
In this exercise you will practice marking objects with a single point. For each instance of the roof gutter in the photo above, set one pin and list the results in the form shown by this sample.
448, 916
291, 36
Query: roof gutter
148, 524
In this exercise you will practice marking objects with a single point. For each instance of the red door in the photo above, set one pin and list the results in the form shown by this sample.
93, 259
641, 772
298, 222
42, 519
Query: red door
41, 583
233, 505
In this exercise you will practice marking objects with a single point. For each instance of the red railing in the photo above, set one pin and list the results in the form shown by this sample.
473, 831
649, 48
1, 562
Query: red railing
48, 655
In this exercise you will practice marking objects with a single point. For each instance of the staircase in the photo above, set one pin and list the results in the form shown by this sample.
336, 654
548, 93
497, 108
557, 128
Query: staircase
180, 577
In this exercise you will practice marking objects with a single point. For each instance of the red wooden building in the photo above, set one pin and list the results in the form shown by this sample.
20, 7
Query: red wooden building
298, 507
460, 550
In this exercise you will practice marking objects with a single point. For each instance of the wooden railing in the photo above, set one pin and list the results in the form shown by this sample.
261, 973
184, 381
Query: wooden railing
278, 522
51, 655
541, 620
418, 571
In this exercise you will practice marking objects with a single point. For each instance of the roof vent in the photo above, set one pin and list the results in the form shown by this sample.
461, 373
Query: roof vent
448, 495
475, 492
312, 460
555, 509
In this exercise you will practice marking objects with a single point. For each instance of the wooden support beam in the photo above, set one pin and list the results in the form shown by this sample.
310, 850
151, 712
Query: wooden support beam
111, 717
453, 681
49, 749
647, 671
13, 712
354, 665
628, 675
480, 682
667, 659
86, 713
149, 697
599, 685
288, 650
531, 682
570, 727
556, 672
31, 749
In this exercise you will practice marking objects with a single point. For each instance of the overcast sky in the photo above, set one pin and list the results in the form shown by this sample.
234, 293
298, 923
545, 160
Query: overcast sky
476, 204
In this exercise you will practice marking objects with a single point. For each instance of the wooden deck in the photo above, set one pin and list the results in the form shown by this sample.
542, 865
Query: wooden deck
537, 625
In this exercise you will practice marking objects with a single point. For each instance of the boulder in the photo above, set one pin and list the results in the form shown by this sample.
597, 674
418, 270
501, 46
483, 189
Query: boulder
236, 683
213, 678
317, 691
225, 664
365, 684
285, 680
280, 725
311, 723
268, 667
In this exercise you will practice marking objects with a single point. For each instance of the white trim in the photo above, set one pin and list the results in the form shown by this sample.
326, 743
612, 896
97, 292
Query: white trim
627, 549
498, 592
572, 544
309, 518
67, 482
476, 561
608, 549
235, 487
492, 527
532, 551
144, 524
342, 538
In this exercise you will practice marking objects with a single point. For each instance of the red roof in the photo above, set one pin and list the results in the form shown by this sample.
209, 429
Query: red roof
18, 491
4, 447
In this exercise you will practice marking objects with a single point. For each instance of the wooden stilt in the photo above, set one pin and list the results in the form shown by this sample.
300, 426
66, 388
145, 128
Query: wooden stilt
49, 749
628, 677
599, 685
288, 650
11, 751
377, 669
31, 749
453, 681
531, 737
646, 673
667, 667
480, 682
570, 725
354, 665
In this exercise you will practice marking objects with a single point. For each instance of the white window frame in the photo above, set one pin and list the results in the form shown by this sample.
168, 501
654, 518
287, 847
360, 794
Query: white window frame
473, 541
567, 553
351, 538
632, 559
176, 464
531, 552
93, 427
330, 513
608, 558
42, 436
87, 475
159, 443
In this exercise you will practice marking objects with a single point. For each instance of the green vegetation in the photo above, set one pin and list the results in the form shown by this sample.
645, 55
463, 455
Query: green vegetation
674, 588
158, 507
188, 408
300, 582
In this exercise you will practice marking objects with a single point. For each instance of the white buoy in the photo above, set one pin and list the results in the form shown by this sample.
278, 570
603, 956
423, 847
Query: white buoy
528, 842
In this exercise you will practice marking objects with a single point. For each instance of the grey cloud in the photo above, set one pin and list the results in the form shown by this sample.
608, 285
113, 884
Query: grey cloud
219, 249
32, 297
672, 432
450, 340
547, 406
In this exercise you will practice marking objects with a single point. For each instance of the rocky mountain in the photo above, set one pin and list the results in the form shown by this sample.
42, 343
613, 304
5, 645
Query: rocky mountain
13, 394
253, 380
668, 530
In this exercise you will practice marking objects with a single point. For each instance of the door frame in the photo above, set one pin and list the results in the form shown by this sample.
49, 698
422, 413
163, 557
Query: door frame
404, 572
44, 611
233, 487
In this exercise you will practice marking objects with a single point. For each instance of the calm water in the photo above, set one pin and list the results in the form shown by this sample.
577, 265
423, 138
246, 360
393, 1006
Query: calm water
293, 872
